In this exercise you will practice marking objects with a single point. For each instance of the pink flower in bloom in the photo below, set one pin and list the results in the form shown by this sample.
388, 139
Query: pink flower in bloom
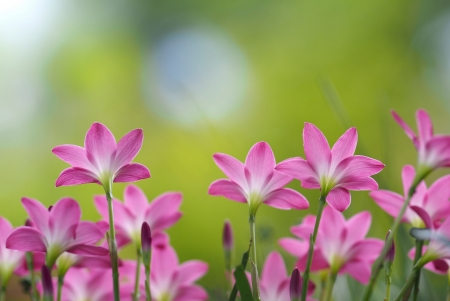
341, 244
170, 281
101, 160
439, 266
256, 181
434, 150
57, 231
10, 260
275, 281
432, 202
160, 214
334, 171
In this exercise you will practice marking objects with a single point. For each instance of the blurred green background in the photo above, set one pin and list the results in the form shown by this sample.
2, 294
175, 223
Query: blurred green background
217, 76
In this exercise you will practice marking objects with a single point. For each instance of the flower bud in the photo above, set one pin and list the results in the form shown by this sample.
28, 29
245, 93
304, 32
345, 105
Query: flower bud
146, 238
295, 287
47, 283
391, 252
28, 223
227, 237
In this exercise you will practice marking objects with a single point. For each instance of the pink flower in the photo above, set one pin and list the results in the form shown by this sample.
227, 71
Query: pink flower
256, 181
275, 280
432, 202
101, 160
334, 171
57, 231
160, 214
439, 266
10, 260
341, 244
434, 150
174, 282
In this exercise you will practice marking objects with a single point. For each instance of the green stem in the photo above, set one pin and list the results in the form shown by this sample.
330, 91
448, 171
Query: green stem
136, 293
30, 265
448, 287
3, 293
410, 281
113, 243
376, 268
228, 269
419, 245
388, 287
312, 241
252, 221
330, 286
148, 295
60, 284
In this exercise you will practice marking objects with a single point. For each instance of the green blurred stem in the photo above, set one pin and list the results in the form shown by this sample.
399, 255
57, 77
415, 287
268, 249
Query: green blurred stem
148, 295
252, 221
448, 287
419, 246
330, 285
60, 284
411, 280
376, 268
3, 293
388, 286
136, 293
30, 266
112, 242
312, 241
228, 265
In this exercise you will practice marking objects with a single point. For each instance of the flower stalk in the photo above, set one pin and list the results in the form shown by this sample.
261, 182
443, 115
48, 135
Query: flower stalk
256, 290
136, 294
419, 246
389, 260
330, 285
146, 244
411, 279
30, 265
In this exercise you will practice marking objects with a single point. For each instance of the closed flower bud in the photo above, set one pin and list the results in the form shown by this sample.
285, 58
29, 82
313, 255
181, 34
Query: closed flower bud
47, 283
391, 252
146, 238
227, 237
295, 287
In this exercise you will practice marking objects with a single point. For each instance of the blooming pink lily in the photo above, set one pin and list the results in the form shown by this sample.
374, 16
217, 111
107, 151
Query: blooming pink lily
256, 181
57, 231
173, 282
10, 260
341, 245
101, 160
432, 202
160, 214
334, 171
434, 150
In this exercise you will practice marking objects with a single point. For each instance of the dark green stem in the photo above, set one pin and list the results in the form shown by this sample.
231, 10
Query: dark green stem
330, 285
148, 295
410, 281
3, 293
136, 293
60, 284
252, 221
419, 245
312, 241
113, 243
30, 265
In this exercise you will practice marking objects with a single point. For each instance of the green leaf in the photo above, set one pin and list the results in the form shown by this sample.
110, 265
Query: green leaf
242, 284
244, 261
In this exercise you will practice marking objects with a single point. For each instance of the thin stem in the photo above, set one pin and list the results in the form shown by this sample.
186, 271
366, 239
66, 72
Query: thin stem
419, 245
410, 281
376, 268
388, 287
312, 241
252, 221
3, 293
136, 293
448, 287
113, 243
60, 284
148, 295
30, 266
330, 285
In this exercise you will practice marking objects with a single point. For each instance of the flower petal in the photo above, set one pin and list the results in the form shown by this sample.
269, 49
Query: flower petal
294, 246
135, 200
317, 150
297, 168
163, 211
438, 205
356, 167
391, 202
75, 176
344, 147
408, 131
358, 226
190, 271
286, 199
306, 228
424, 216
228, 189
26, 239
5, 229
82, 249
191, 293
278, 180
424, 125
87, 233
128, 147
232, 168
273, 273
437, 152
260, 162
164, 263
360, 270
73, 154
360, 184
38, 213
368, 249
408, 174
131, 173
63, 220
100, 146
339, 198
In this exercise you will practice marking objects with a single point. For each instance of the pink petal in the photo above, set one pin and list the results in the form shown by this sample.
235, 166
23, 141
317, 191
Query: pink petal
297, 168
339, 198
163, 211
75, 176
160, 240
438, 205
273, 273
286, 198
306, 228
92, 262
64, 219
87, 250
228, 189
128, 147
317, 150
310, 183
100, 146
294, 246
366, 250
88, 233
191, 271
344, 147
26, 239
191, 293
436, 152
260, 161
360, 184
277, 181
5, 230
232, 168
410, 133
135, 200
124, 219
358, 226
424, 216
438, 266
356, 167
332, 222
73, 154
38, 213
391, 202
131, 173
360, 270
408, 174
424, 125
319, 261
164, 263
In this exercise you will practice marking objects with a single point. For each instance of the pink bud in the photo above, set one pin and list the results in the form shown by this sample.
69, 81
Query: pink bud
47, 283
295, 287
146, 237
50, 208
227, 237
28, 223
391, 252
